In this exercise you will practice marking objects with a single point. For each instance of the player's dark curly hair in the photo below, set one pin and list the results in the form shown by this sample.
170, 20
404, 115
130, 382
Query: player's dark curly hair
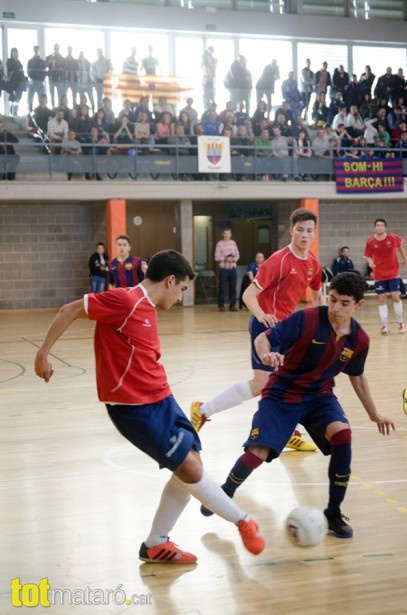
349, 283
169, 262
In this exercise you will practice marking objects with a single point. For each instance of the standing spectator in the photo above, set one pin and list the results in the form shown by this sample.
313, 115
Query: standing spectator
266, 84
227, 255
56, 75
131, 64
71, 66
125, 270
99, 68
36, 71
343, 262
208, 66
98, 268
150, 65
239, 83
291, 94
340, 81
323, 79
385, 86
381, 255
367, 78
354, 93
16, 80
307, 85
8, 157
85, 85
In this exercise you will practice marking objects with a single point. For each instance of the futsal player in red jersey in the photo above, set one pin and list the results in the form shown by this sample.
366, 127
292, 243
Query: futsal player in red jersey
381, 255
307, 350
125, 270
133, 385
273, 295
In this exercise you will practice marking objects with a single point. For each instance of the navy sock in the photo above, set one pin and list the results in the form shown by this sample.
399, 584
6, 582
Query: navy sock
242, 469
339, 474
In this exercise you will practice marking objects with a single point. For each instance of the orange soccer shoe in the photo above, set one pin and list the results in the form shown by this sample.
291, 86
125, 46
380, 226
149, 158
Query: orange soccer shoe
166, 553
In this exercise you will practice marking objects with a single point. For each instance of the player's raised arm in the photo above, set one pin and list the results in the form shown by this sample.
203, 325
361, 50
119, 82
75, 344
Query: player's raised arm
362, 390
67, 314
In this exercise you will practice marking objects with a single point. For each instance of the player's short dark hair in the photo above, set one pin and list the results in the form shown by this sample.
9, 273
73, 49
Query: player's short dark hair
126, 237
380, 220
301, 215
169, 262
349, 283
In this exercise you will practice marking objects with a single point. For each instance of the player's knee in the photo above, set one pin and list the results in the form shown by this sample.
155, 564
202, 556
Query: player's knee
252, 459
344, 436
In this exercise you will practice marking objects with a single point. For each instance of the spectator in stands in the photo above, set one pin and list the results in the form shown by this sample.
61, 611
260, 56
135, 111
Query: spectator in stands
99, 122
320, 110
126, 110
180, 144
334, 106
63, 104
345, 140
57, 130
302, 150
186, 122
239, 83
382, 134
281, 123
142, 132
399, 86
131, 64
262, 145
240, 144
56, 75
370, 131
71, 147
42, 114
285, 110
208, 66
71, 67
123, 139
150, 65
82, 124
395, 117
16, 82
354, 93
366, 108
320, 145
241, 115
212, 126
266, 84
299, 125
143, 108
291, 94
340, 81
280, 149
230, 122
85, 85
354, 123
249, 131
163, 129
163, 107
385, 86
96, 146
323, 79
367, 78
110, 117
340, 117
398, 131
307, 85
259, 115
36, 71
334, 141
8, 158
99, 68
192, 113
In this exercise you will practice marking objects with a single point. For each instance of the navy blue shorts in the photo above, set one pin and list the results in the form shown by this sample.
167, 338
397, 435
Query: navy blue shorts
160, 430
255, 328
275, 420
387, 286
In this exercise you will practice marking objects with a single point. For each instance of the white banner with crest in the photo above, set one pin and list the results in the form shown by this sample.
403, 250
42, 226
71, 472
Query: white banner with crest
213, 154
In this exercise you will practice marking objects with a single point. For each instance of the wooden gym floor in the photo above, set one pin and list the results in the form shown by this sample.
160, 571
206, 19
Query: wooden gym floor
77, 499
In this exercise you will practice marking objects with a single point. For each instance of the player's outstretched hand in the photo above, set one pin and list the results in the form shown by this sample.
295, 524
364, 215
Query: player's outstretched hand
384, 424
43, 367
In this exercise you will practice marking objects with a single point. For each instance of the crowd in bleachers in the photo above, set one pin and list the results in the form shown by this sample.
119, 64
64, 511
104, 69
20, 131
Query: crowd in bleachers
322, 117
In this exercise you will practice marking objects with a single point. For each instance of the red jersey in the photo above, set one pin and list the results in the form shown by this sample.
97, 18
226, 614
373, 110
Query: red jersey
283, 278
127, 347
384, 256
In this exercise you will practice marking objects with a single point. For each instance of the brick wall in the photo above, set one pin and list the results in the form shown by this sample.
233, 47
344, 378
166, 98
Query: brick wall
44, 251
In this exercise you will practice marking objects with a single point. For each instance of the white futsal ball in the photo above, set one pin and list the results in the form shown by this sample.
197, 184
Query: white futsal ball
306, 526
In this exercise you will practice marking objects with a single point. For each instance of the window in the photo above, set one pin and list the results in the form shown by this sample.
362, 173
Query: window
332, 8
376, 9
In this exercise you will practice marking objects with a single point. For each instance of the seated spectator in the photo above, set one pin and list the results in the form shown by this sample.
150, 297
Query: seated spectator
401, 145
179, 141
241, 115
397, 132
382, 134
142, 131
334, 105
343, 262
302, 149
334, 141
99, 122
192, 114
57, 130
285, 110
42, 114
320, 110
366, 108
370, 131
300, 124
211, 126
395, 117
353, 152
240, 144
281, 123
163, 129
381, 149
82, 124
109, 116
163, 107
354, 93
262, 144
354, 123
320, 145
127, 110
185, 120
63, 104
221, 117
361, 145
230, 122
280, 149
143, 108
122, 140
71, 147
345, 140
212, 107
340, 117
249, 131
8, 158
258, 116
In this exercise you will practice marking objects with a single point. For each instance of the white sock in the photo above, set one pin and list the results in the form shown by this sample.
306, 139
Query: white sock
233, 396
398, 309
173, 500
384, 315
215, 499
